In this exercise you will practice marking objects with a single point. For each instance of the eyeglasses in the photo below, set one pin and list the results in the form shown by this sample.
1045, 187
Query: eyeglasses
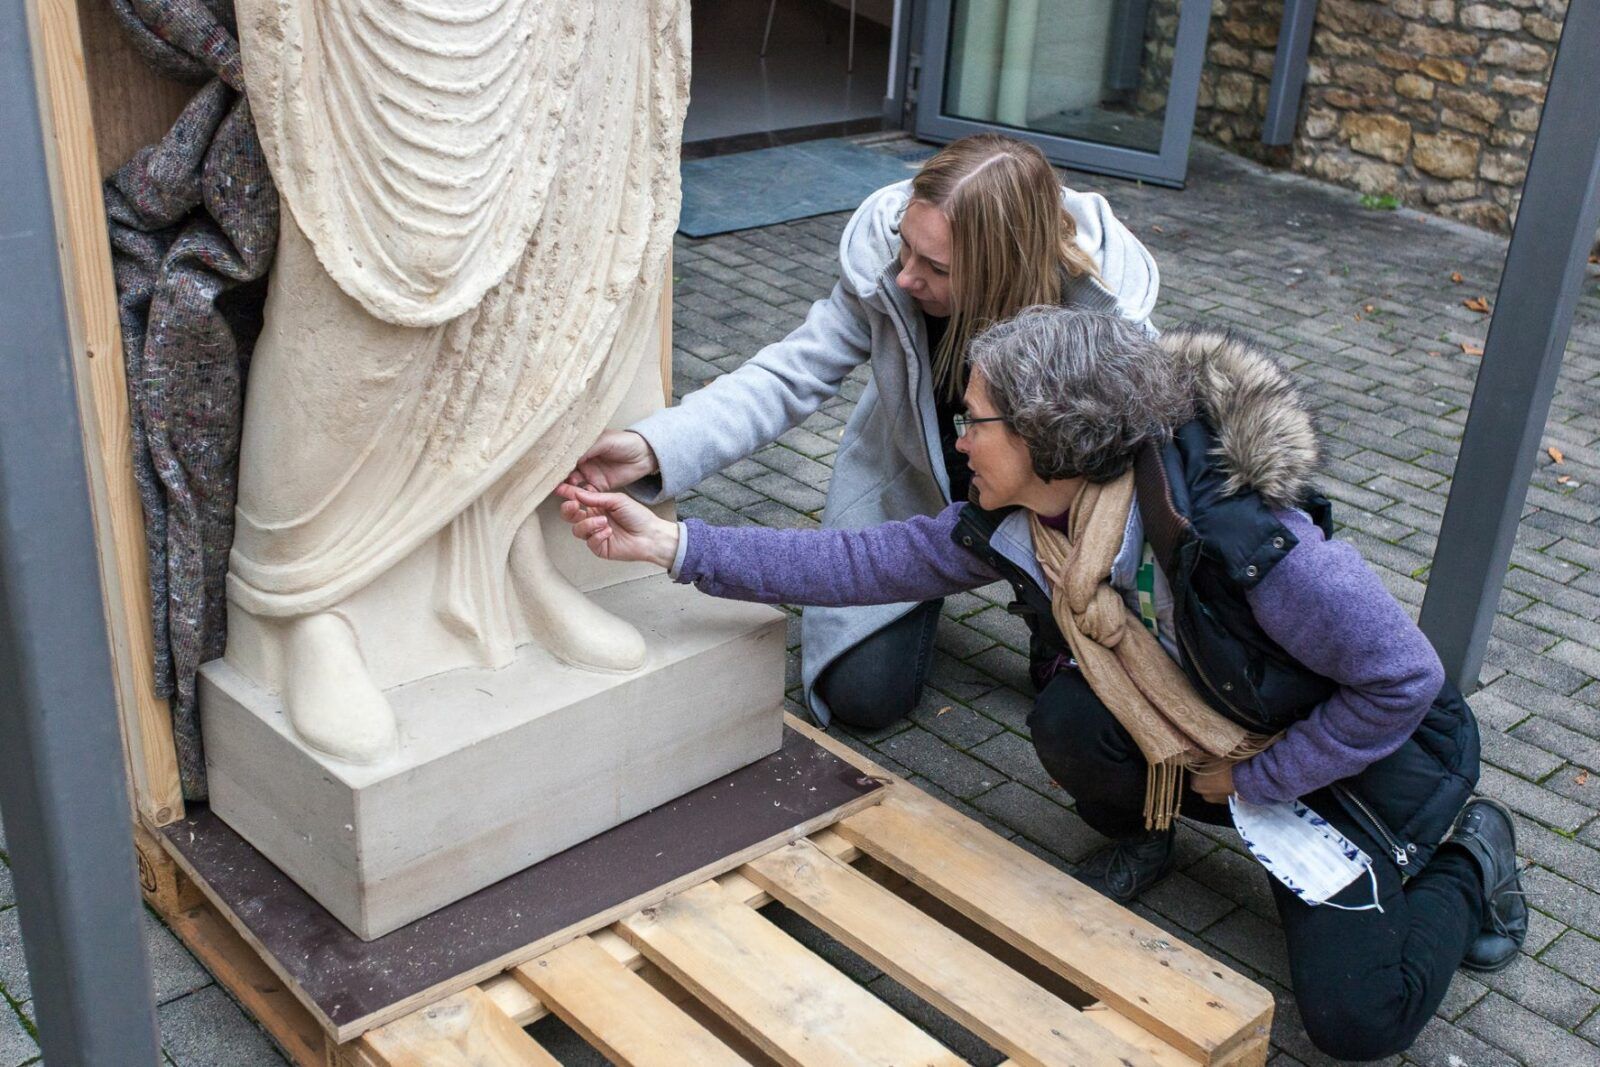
964, 423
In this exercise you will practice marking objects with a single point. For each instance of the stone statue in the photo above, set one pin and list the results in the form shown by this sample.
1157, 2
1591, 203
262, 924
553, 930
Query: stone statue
480, 199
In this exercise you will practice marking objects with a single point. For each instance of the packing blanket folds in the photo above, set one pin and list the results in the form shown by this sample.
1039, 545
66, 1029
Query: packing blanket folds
193, 222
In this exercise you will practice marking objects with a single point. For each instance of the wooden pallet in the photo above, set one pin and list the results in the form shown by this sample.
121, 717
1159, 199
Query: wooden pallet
1023, 956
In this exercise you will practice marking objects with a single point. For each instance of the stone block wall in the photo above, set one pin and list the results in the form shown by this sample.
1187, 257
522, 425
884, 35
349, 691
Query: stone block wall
1434, 102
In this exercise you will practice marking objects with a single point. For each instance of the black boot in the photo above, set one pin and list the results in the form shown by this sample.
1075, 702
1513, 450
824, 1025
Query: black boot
1127, 867
1485, 830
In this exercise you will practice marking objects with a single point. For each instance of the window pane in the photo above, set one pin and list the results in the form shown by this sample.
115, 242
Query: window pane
1090, 70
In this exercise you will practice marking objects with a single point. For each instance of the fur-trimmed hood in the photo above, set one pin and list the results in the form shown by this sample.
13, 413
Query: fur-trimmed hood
1265, 437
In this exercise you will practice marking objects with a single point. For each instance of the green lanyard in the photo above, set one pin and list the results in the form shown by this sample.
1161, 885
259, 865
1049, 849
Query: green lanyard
1144, 582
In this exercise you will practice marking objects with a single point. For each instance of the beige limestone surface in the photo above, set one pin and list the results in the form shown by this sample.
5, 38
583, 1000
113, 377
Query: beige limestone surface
499, 769
480, 199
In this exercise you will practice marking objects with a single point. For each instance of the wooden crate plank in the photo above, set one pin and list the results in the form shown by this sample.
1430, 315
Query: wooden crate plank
1140, 1038
463, 1030
237, 966
1012, 1014
1193, 1003
793, 1006
103, 405
614, 1010
517, 1001
664, 324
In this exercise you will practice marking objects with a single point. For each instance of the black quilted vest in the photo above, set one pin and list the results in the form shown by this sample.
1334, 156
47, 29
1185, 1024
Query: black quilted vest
1213, 547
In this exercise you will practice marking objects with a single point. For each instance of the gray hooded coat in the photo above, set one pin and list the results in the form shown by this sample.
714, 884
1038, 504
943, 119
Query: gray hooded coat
889, 464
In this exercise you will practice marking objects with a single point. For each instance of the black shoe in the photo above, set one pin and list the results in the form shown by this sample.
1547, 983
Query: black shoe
1124, 869
1485, 830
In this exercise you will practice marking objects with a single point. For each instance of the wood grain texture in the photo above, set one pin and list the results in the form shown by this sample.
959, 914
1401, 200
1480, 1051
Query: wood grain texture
1009, 1012
240, 969
614, 1010
103, 405
463, 1030
793, 1006
520, 1002
132, 105
1192, 1002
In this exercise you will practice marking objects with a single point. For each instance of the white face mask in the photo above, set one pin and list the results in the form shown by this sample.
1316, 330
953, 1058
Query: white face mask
1300, 849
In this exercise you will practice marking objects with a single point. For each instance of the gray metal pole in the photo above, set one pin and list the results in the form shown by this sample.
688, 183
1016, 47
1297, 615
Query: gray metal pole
1522, 355
62, 782
1288, 72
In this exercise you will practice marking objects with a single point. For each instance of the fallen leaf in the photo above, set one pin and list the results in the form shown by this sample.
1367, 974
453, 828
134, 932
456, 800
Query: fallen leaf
1471, 349
1158, 229
1358, 317
1594, 259
1435, 353
1456, 277
1476, 303
1582, 778
1564, 479
1555, 454
1368, 308
943, 710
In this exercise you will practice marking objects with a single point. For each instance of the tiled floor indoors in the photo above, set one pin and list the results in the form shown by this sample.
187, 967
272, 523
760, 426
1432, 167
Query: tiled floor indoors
1363, 306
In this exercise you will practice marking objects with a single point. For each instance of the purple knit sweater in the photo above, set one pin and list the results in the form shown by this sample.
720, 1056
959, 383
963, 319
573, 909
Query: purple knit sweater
1322, 603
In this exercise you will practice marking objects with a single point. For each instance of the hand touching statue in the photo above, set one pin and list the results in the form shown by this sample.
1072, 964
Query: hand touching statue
618, 527
618, 458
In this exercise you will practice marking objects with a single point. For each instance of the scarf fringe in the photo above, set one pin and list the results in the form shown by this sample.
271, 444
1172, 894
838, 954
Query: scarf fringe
1163, 794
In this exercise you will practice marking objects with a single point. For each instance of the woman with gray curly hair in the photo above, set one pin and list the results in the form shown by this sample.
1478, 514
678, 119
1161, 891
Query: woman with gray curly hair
1199, 644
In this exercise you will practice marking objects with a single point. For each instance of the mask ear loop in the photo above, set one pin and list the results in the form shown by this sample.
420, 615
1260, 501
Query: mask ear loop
1372, 873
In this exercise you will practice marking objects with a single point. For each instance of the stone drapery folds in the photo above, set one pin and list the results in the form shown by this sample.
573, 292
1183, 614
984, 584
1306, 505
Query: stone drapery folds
492, 187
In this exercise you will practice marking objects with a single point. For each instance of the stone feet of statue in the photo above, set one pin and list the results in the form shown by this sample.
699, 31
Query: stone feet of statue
564, 621
333, 703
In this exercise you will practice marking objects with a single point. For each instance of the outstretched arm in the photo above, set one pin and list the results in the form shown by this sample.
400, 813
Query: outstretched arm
894, 562
741, 411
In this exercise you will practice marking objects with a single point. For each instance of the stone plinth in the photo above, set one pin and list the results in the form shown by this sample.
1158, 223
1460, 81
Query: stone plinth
499, 769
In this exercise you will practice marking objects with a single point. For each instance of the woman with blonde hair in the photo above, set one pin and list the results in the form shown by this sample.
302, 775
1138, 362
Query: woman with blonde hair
982, 231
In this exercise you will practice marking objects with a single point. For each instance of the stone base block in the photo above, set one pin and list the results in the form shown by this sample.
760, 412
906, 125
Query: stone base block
499, 769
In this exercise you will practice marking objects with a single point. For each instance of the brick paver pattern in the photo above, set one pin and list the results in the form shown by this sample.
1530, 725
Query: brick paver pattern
1363, 306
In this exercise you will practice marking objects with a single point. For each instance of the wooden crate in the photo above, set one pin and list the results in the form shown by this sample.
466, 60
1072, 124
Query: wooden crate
1023, 956
1012, 949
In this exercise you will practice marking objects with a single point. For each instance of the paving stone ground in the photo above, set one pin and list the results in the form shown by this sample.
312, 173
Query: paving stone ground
1362, 306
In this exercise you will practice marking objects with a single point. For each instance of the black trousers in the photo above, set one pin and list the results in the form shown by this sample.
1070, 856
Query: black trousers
880, 680
1366, 982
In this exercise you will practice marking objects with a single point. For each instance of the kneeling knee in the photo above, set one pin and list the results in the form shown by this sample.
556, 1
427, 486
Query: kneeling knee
1354, 1031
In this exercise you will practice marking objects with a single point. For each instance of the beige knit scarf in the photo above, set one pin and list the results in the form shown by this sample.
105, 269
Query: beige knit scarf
1124, 664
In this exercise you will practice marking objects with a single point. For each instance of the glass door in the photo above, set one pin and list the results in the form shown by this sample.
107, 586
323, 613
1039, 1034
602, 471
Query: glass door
1101, 85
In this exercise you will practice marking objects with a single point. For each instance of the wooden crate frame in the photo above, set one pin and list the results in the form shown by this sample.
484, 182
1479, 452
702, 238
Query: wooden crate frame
1023, 956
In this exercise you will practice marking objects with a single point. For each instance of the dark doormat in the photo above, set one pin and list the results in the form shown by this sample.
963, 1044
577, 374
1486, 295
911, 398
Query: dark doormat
750, 189
352, 985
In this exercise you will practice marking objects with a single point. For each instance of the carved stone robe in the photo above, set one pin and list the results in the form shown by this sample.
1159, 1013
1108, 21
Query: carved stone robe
481, 196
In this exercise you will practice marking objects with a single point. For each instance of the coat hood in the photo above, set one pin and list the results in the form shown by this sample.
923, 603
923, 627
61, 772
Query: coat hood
872, 240
1265, 437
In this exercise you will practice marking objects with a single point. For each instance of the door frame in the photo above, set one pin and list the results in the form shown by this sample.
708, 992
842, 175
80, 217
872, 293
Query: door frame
1168, 166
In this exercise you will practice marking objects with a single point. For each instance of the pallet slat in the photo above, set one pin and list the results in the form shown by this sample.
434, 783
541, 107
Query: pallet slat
614, 1010
517, 1001
1194, 1004
464, 1030
793, 1006
1014, 1015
